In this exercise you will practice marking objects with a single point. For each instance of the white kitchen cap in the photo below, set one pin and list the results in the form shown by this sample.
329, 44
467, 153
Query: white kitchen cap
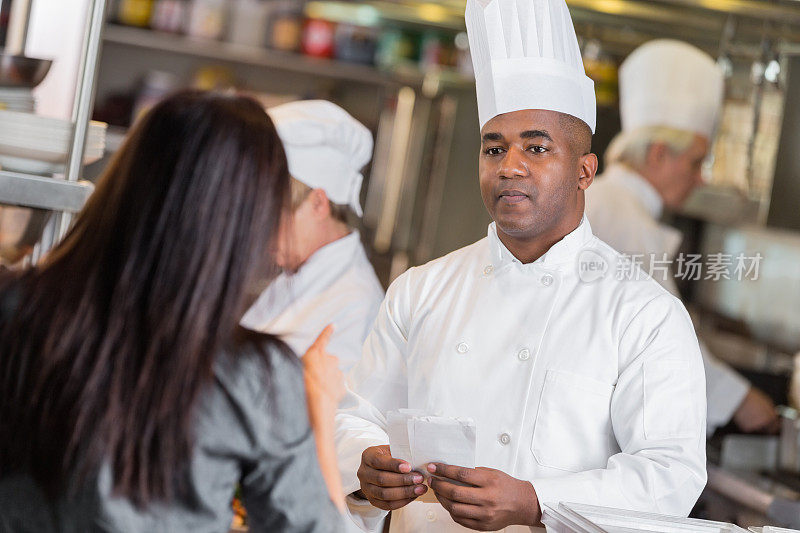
526, 56
326, 148
670, 83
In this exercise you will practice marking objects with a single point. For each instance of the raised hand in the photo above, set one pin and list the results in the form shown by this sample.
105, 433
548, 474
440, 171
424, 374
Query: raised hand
324, 380
324, 390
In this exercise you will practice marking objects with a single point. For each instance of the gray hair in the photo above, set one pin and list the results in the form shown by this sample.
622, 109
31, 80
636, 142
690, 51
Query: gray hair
631, 148
300, 192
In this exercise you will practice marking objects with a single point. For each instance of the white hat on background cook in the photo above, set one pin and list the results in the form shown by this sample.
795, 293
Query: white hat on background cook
670, 83
526, 56
326, 148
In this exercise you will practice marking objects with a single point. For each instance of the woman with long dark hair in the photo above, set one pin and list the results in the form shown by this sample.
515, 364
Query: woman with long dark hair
130, 399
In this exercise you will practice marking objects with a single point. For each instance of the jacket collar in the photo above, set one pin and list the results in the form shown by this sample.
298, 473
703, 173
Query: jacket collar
328, 263
562, 252
638, 186
316, 275
662, 237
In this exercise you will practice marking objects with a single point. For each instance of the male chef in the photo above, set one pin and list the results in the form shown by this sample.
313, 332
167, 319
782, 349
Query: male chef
327, 278
583, 386
670, 98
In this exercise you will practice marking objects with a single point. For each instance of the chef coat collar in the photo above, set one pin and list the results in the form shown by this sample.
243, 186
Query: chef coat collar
317, 274
663, 238
638, 186
564, 251
329, 262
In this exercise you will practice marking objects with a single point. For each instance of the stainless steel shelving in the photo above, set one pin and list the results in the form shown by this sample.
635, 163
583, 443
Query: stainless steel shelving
43, 193
67, 196
292, 62
621, 25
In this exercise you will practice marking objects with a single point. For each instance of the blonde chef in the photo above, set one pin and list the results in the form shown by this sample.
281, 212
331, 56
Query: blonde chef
670, 99
327, 278
585, 386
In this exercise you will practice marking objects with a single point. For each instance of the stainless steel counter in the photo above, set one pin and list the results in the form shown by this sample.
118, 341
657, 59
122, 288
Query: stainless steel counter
750, 498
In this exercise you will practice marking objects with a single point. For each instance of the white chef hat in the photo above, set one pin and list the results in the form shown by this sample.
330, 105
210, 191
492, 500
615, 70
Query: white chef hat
326, 148
526, 56
670, 83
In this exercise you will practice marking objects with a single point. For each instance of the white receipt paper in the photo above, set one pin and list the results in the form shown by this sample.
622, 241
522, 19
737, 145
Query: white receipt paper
420, 439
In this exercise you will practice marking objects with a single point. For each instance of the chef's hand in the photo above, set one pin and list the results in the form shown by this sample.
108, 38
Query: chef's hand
492, 500
388, 483
757, 414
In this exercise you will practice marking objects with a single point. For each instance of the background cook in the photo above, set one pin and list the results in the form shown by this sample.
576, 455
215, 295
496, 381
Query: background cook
670, 97
327, 278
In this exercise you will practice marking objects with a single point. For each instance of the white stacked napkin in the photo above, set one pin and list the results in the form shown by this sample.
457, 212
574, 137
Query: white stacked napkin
419, 439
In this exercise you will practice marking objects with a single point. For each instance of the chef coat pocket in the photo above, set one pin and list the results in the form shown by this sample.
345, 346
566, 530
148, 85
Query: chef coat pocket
572, 431
671, 401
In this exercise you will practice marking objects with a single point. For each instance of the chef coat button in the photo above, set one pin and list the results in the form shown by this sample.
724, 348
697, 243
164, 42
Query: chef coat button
462, 347
488, 270
505, 438
524, 354
431, 516
547, 280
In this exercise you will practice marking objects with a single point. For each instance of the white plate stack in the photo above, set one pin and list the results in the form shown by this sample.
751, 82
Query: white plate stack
39, 145
18, 99
581, 518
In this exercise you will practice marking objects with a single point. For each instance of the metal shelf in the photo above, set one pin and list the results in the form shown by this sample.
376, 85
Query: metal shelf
43, 193
448, 15
68, 196
275, 59
442, 16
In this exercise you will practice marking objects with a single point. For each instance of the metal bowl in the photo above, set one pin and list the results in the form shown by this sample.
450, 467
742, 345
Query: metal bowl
21, 71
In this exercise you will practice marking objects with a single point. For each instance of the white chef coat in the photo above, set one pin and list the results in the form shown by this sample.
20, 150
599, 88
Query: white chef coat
592, 391
336, 285
624, 209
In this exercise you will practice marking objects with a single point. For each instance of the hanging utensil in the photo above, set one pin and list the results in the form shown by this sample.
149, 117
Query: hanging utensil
16, 70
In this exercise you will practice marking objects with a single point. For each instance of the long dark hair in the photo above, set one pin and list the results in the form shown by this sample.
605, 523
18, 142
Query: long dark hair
109, 343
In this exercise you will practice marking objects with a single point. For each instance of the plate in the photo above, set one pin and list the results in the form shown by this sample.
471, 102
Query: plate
25, 136
33, 166
27, 125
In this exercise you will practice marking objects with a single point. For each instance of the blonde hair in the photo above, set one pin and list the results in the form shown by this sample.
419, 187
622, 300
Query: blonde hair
300, 192
631, 148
